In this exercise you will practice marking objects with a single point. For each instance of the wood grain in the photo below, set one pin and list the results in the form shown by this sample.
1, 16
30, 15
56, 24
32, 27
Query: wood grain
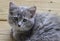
4, 31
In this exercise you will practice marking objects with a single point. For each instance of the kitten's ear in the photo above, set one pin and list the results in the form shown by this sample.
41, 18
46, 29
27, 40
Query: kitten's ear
12, 6
32, 10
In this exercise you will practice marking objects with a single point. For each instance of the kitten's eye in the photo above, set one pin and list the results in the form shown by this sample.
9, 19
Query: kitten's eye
24, 20
16, 18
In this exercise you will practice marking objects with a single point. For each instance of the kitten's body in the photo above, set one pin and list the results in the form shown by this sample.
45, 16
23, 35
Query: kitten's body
47, 28
28, 26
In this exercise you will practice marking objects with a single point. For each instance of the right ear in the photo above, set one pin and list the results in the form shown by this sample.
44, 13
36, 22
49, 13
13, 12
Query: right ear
12, 7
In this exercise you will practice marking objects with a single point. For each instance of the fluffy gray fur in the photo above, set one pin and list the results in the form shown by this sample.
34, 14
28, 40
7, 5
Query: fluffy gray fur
29, 26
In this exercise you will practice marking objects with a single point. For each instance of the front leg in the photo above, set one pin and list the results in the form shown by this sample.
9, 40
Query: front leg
11, 35
14, 35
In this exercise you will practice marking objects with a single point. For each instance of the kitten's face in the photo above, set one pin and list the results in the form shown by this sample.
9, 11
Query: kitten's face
21, 18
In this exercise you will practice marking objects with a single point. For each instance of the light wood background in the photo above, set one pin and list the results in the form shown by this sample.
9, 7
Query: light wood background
42, 6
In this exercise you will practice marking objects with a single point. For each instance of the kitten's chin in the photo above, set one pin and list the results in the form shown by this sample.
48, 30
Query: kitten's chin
24, 29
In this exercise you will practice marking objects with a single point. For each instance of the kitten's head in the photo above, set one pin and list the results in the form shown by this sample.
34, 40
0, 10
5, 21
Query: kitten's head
21, 18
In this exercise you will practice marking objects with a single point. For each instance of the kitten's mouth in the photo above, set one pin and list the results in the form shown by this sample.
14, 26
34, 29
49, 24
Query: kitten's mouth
24, 28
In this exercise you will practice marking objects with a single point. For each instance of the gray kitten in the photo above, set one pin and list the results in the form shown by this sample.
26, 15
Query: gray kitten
29, 26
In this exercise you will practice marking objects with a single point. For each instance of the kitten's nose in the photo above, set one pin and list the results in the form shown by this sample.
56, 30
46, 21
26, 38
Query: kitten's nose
19, 25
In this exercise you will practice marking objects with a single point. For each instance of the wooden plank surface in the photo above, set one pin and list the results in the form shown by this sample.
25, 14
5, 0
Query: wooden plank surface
4, 31
42, 6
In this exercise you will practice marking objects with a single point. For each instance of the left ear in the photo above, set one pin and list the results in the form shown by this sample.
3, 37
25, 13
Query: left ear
32, 10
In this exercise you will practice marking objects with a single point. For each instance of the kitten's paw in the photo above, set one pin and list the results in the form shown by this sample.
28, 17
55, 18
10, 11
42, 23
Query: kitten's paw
11, 33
